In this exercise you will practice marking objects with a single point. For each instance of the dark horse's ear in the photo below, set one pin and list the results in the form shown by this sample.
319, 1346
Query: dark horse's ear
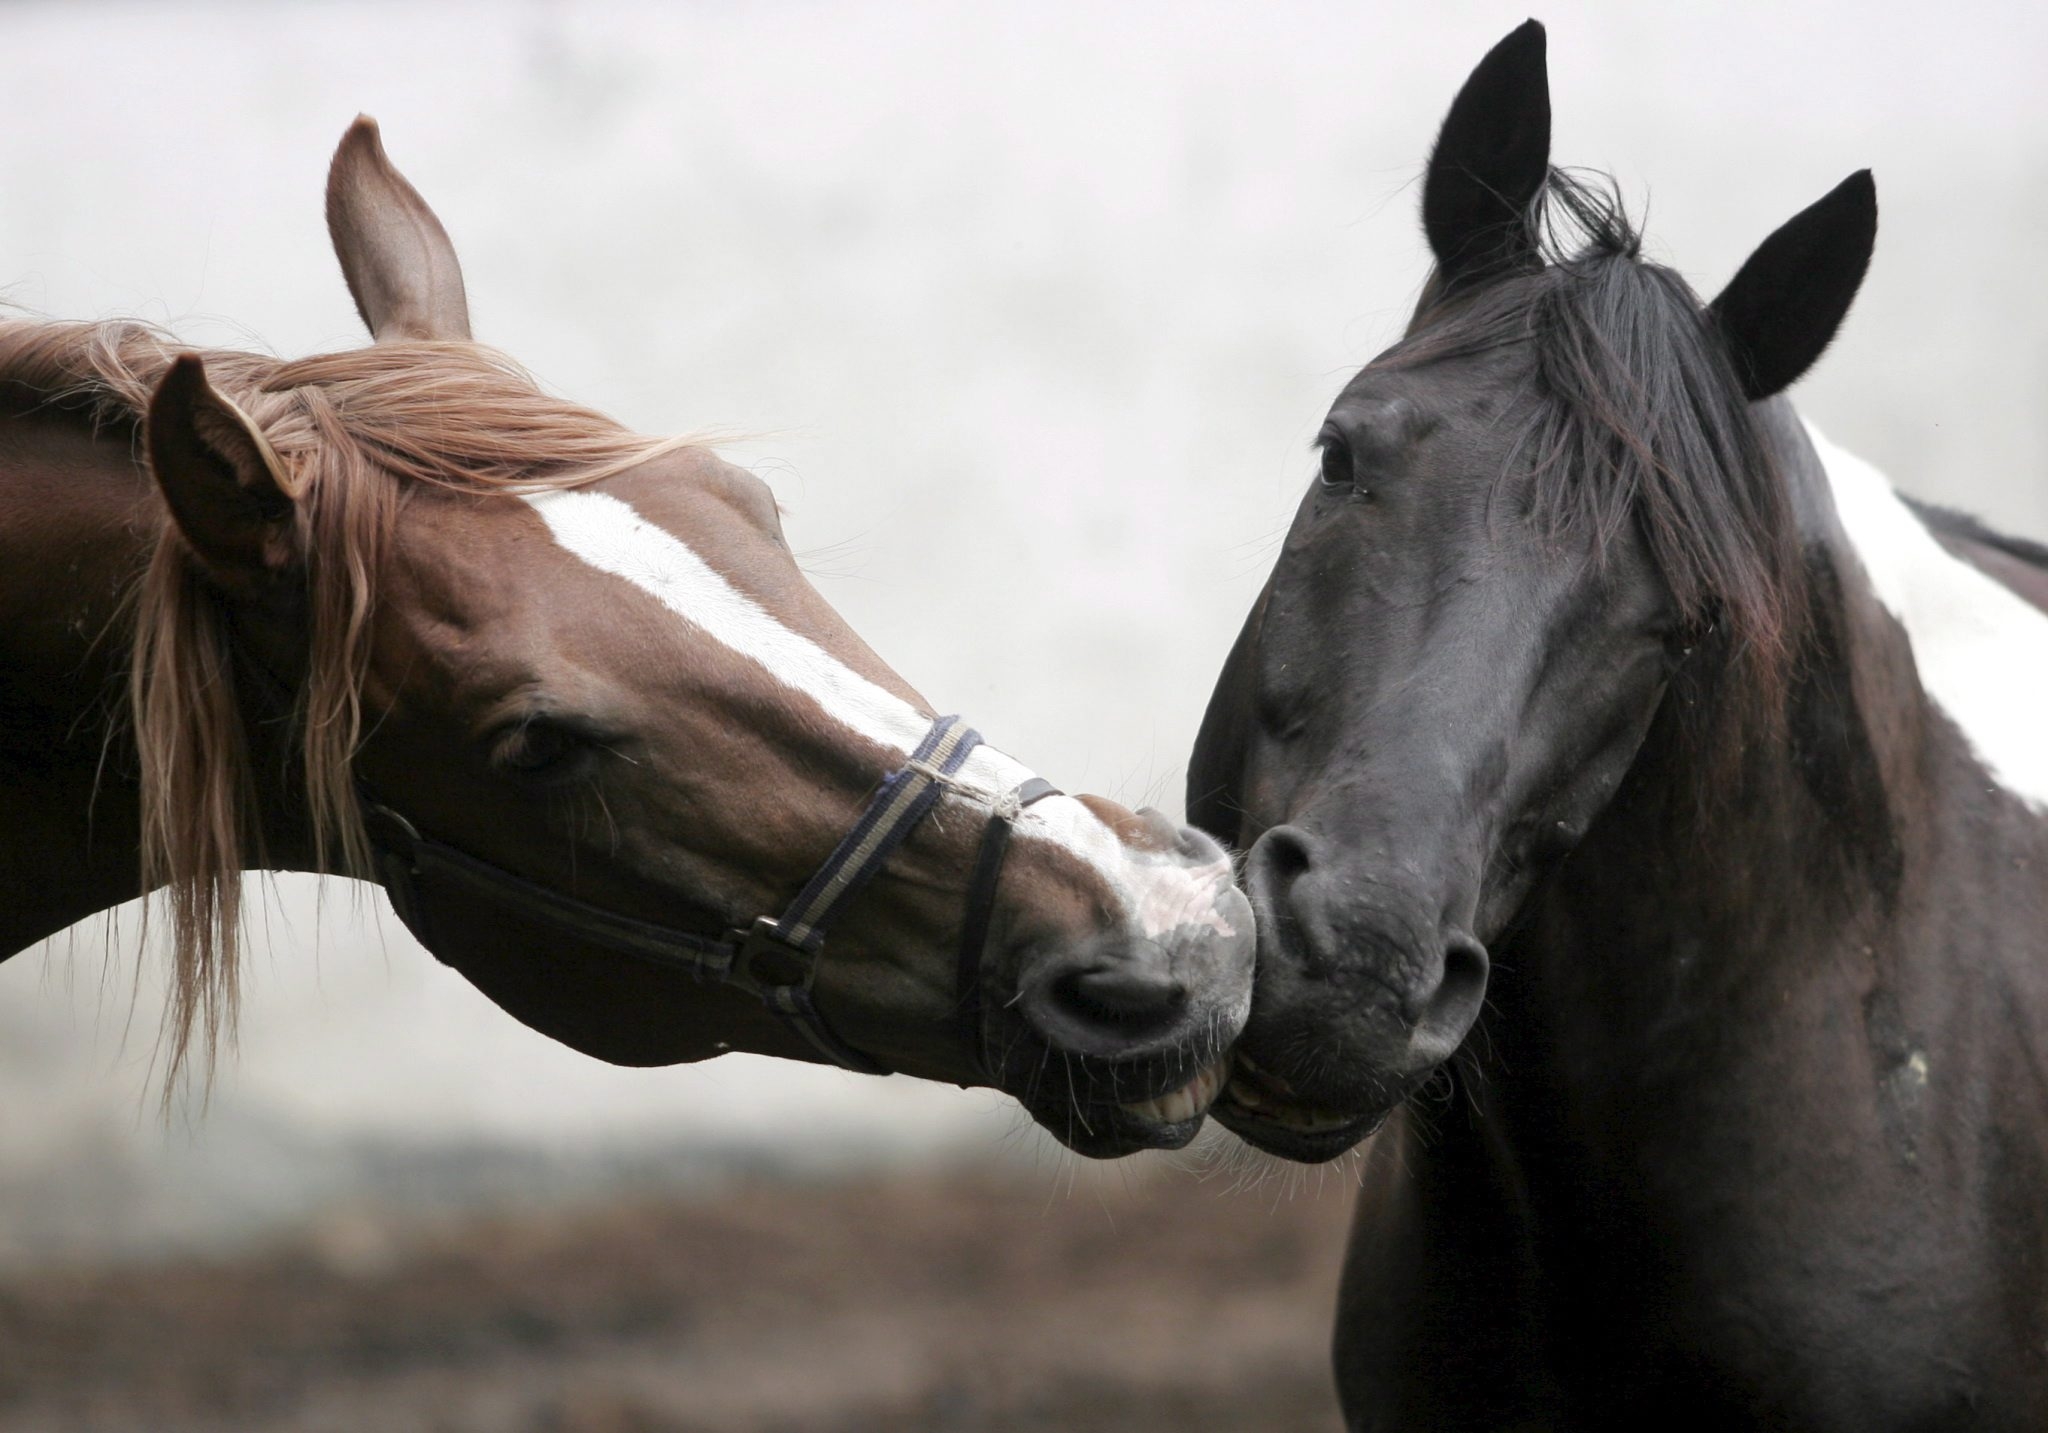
1490, 161
400, 267
1785, 303
227, 491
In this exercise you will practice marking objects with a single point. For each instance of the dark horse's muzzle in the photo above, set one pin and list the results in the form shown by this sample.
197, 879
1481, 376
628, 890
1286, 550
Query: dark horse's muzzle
1349, 960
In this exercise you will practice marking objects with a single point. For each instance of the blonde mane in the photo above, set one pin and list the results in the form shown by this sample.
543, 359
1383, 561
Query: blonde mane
353, 431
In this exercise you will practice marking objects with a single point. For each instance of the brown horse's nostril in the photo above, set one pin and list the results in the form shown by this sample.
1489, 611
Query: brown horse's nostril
1129, 993
1109, 1009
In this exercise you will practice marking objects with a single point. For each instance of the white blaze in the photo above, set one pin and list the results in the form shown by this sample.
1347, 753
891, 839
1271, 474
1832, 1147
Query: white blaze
1982, 650
1157, 894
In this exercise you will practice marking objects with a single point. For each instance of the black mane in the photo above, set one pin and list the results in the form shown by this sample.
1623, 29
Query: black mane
1643, 422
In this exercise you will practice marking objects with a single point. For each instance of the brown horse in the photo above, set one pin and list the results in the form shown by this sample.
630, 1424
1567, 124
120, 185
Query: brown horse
396, 613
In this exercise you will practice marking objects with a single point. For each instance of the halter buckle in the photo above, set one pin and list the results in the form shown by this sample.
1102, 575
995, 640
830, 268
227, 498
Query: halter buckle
768, 960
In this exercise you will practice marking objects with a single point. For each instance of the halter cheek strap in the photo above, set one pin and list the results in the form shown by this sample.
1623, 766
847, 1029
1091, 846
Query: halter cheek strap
779, 956
776, 959
981, 904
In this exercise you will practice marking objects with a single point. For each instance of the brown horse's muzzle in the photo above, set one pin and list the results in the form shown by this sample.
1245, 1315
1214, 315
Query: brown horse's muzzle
1115, 1030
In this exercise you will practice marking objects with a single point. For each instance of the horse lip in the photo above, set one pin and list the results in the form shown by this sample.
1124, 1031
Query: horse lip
1098, 1123
1194, 1095
1258, 1076
1271, 1137
1264, 1110
1088, 1113
1107, 1131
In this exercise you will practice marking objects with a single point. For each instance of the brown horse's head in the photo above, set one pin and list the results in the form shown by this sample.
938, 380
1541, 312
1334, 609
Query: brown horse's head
587, 659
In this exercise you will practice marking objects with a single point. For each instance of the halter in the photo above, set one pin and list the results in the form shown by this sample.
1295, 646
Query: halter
776, 958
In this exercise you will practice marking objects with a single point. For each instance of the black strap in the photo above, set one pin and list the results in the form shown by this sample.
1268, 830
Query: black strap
981, 902
406, 860
892, 813
781, 955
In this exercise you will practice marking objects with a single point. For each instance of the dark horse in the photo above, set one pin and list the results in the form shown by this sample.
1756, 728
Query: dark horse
562, 688
1594, 693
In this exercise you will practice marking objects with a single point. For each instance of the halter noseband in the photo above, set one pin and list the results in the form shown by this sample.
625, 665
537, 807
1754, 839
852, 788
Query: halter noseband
775, 959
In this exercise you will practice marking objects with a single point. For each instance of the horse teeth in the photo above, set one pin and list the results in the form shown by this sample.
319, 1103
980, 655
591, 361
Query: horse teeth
1268, 1096
1256, 1075
1316, 1121
1187, 1102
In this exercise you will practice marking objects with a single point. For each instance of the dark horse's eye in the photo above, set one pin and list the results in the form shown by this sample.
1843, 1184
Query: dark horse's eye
538, 747
1337, 471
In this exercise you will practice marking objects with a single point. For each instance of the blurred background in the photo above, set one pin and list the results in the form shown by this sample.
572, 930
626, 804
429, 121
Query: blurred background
1071, 283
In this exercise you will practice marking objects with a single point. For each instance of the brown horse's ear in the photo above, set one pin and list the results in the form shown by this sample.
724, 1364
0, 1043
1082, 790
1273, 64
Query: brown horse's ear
400, 267
227, 491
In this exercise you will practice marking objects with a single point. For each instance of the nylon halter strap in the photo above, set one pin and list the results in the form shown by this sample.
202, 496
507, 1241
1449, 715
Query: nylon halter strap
780, 954
776, 959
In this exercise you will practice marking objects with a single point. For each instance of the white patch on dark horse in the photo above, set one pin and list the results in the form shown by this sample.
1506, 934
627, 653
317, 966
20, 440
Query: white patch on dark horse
1981, 649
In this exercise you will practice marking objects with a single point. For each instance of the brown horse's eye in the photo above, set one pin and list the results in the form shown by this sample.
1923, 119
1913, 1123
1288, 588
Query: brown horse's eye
539, 747
1337, 470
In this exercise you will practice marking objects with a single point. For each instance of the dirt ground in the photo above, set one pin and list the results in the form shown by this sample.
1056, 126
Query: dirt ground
908, 1303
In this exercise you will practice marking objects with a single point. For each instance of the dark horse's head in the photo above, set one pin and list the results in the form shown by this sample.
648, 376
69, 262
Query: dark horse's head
1535, 513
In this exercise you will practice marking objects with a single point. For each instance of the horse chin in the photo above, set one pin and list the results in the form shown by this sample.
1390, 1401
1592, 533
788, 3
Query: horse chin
1299, 1145
1105, 1134
1263, 1110
1103, 1129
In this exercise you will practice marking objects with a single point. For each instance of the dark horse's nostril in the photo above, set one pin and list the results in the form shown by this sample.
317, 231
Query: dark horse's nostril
1277, 862
1451, 1008
1279, 858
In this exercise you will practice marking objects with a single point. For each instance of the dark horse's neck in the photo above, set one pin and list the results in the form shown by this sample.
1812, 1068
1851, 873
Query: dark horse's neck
1733, 1036
78, 519
1743, 834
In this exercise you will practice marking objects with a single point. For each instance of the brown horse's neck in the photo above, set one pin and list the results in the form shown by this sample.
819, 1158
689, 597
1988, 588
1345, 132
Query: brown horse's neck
78, 519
